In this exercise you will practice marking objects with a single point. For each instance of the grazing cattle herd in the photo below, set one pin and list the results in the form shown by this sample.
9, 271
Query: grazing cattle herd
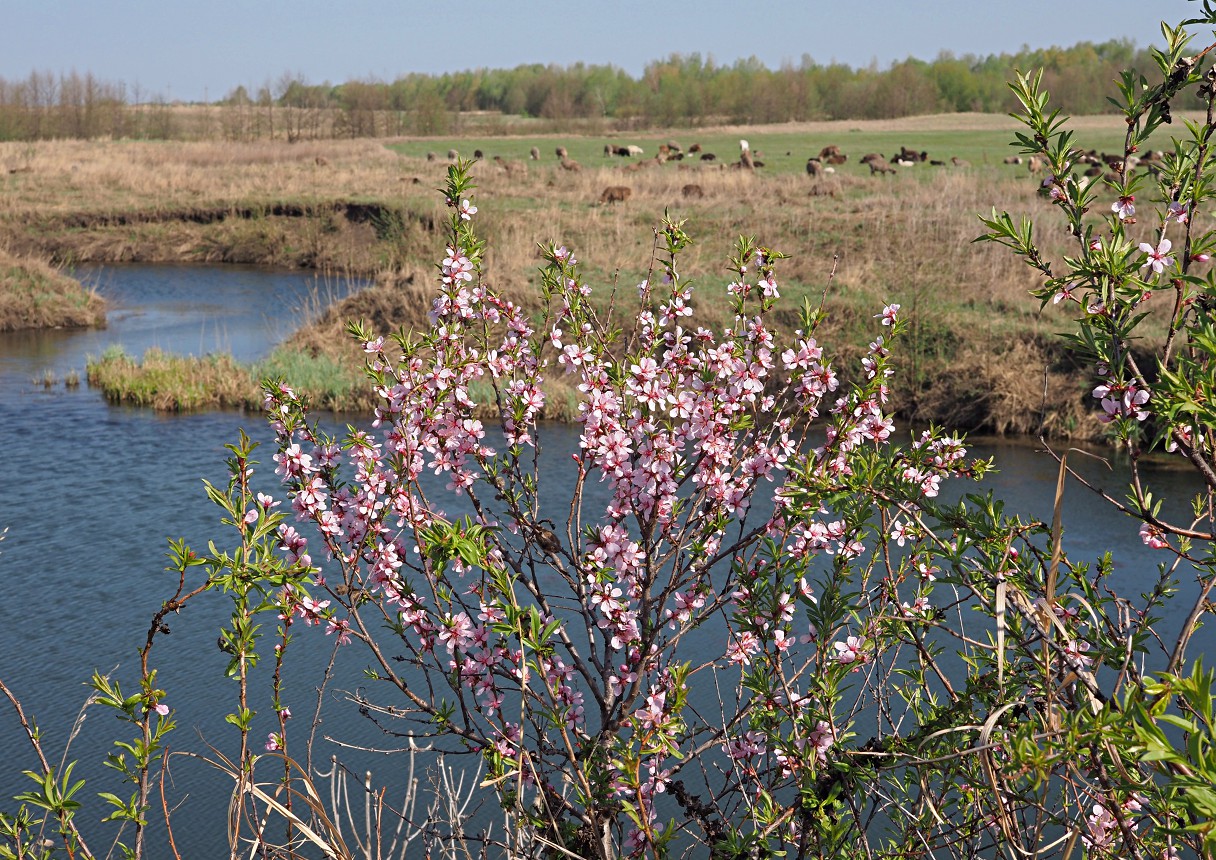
824, 164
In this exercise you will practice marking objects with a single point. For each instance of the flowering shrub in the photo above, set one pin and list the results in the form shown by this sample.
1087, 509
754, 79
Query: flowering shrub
746, 578
743, 498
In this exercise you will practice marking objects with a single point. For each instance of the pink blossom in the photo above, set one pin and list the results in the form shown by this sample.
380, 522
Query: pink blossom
888, 314
1176, 212
340, 626
1153, 537
851, 650
1158, 259
1076, 652
1122, 401
822, 739
1124, 207
467, 210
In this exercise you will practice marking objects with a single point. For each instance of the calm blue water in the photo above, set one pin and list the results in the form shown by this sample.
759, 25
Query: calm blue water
90, 493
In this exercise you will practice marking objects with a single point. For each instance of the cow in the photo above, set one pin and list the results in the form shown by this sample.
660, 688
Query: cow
692, 190
634, 151
511, 167
837, 158
1035, 163
814, 167
561, 152
877, 163
453, 155
828, 151
616, 194
534, 153
708, 156
959, 162
573, 166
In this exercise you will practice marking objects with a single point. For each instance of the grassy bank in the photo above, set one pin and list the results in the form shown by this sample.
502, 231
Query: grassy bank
34, 294
981, 353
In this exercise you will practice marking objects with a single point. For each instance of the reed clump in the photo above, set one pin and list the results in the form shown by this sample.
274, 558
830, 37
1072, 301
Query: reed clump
34, 294
173, 383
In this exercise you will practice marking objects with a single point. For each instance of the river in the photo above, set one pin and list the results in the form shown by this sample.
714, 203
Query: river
91, 493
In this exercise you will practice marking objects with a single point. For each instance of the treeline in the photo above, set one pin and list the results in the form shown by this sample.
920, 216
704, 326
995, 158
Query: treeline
679, 91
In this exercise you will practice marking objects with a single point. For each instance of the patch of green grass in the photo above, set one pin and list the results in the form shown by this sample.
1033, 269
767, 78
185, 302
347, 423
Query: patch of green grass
328, 382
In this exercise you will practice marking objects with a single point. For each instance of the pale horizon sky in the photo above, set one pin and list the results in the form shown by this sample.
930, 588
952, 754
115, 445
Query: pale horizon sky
203, 50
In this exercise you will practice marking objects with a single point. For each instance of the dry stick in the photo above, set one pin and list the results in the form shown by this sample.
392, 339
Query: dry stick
164, 804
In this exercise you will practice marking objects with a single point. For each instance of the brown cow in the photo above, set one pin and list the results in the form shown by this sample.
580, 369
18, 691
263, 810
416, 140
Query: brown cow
828, 151
877, 163
561, 152
534, 153
814, 167
616, 194
511, 167
692, 191
568, 164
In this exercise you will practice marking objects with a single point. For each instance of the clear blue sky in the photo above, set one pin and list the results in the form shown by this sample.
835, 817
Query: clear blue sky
203, 49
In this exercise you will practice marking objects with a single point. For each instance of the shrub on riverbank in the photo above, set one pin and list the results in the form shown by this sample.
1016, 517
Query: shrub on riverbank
34, 294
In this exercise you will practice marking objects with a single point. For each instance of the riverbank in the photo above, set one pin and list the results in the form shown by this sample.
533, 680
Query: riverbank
34, 294
980, 355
